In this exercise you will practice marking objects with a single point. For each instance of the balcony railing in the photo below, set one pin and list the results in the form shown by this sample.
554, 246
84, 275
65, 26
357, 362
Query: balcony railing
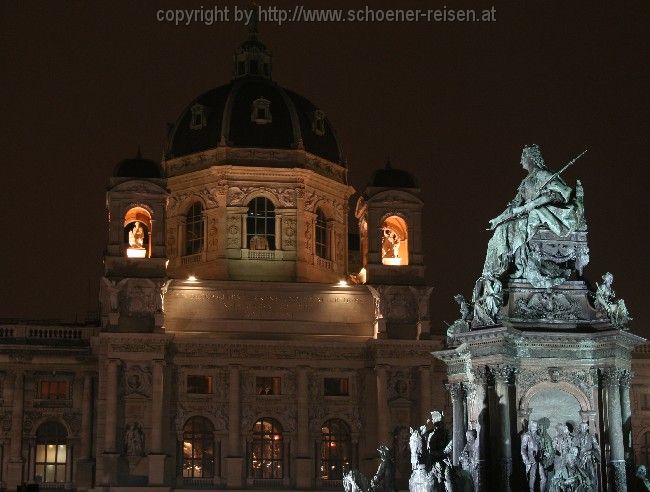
323, 263
191, 259
262, 254
65, 333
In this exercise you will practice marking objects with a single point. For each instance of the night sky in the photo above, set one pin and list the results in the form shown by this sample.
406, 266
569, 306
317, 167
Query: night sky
84, 83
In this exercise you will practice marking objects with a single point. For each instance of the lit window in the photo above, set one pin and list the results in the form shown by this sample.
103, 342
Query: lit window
198, 448
137, 232
266, 452
335, 387
394, 241
198, 120
194, 229
54, 390
260, 224
51, 453
335, 450
261, 110
322, 246
318, 123
268, 385
201, 385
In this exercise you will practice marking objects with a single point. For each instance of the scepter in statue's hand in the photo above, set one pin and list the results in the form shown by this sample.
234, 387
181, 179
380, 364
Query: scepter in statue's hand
515, 212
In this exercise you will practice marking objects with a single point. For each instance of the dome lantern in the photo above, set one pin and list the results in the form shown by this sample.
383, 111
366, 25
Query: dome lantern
252, 58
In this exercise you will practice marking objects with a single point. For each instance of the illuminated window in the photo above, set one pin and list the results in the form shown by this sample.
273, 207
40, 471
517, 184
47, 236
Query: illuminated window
194, 229
394, 241
318, 123
322, 246
54, 390
335, 387
260, 224
198, 448
197, 120
198, 384
268, 385
51, 453
261, 109
137, 233
335, 450
266, 453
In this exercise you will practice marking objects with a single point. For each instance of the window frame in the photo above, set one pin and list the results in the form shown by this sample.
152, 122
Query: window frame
58, 440
339, 438
189, 388
256, 215
204, 436
195, 226
321, 235
276, 440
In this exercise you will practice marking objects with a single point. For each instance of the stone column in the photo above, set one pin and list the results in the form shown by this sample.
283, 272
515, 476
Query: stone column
457, 393
157, 455
111, 397
425, 393
303, 461
617, 479
83, 476
68, 465
479, 416
503, 378
383, 412
626, 414
86, 418
234, 460
16, 461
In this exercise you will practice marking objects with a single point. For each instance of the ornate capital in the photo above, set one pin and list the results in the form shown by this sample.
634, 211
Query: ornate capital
626, 378
504, 373
482, 375
612, 376
456, 390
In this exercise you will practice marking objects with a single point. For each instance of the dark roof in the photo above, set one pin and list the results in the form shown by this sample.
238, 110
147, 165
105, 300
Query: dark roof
137, 168
389, 177
227, 112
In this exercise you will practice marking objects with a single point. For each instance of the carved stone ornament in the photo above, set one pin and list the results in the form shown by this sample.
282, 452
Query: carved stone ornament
547, 306
284, 197
137, 380
233, 225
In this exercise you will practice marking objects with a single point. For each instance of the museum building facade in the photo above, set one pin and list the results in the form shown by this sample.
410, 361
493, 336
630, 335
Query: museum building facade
246, 340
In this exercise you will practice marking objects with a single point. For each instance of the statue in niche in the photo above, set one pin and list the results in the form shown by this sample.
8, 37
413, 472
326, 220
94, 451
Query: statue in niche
543, 200
390, 243
469, 457
136, 236
487, 299
606, 300
134, 440
532, 454
589, 451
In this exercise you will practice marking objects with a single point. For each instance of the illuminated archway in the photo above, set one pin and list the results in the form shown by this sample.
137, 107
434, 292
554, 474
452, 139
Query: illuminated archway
137, 232
394, 241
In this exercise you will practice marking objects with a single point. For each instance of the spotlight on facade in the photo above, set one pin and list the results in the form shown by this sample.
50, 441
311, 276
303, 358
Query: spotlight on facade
191, 278
342, 283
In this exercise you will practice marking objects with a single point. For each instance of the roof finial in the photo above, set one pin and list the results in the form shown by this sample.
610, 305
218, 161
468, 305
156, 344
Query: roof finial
139, 154
252, 25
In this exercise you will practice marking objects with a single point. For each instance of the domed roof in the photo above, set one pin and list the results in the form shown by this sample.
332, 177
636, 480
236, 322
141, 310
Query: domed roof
389, 177
253, 111
137, 168
227, 115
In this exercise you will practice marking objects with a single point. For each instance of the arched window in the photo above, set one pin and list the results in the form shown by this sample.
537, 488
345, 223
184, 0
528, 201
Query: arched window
51, 453
645, 449
194, 229
137, 232
394, 241
260, 224
322, 244
266, 453
198, 448
335, 450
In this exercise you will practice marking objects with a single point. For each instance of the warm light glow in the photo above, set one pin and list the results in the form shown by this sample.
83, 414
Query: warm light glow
191, 278
391, 261
342, 283
136, 252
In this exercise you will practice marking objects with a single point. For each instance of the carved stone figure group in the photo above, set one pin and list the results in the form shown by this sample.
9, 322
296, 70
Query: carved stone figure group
382, 481
567, 463
605, 299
